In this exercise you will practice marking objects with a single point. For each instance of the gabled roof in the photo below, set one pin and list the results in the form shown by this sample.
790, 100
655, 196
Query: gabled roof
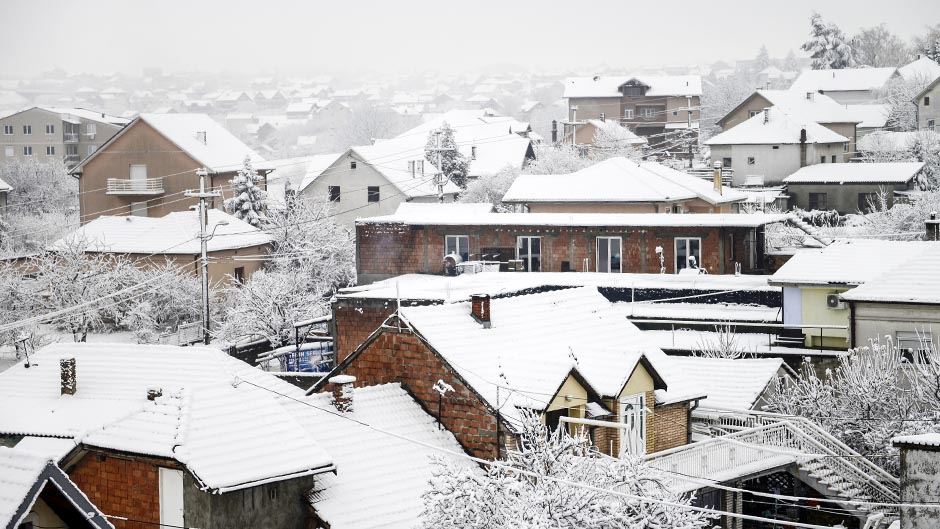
731, 384
818, 108
915, 281
617, 180
933, 84
844, 80
871, 116
315, 167
855, 173
90, 115
923, 68
847, 263
609, 86
391, 158
174, 233
780, 128
229, 434
221, 152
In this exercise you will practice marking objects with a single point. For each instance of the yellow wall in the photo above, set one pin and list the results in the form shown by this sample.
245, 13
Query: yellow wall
639, 382
578, 397
815, 311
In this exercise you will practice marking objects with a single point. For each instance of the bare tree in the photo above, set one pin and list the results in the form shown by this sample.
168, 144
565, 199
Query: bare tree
723, 343
878, 47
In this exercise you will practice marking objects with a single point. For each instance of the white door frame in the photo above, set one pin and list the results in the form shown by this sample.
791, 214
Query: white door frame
171, 497
597, 252
633, 413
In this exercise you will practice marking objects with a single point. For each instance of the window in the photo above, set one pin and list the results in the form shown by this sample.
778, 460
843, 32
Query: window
865, 200
92, 149
8, 151
138, 172
50, 150
373, 192
90, 129
71, 149
776, 147
608, 254
751, 160
752, 113
239, 275
688, 252
139, 209
27, 150
628, 113
822, 159
648, 112
8, 130
914, 345
553, 418
845, 147
50, 129
931, 124
27, 129
633, 414
926, 101
529, 250
726, 162
633, 91
457, 244
352, 164
833, 158
675, 112
818, 201
334, 193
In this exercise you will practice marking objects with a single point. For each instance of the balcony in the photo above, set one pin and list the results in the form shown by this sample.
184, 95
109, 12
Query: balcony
140, 186
70, 137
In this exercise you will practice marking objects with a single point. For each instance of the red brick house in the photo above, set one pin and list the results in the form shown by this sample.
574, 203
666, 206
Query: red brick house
417, 237
564, 355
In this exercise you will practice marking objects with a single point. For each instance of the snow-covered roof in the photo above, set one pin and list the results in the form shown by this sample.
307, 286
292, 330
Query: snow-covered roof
872, 116
849, 262
921, 69
914, 281
174, 233
609, 85
617, 180
316, 166
818, 107
87, 114
391, 158
535, 341
5, 187
779, 128
221, 151
844, 80
473, 215
379, 478
928, 440
883, 141
19, 472
223, 431
856, 173
730, 384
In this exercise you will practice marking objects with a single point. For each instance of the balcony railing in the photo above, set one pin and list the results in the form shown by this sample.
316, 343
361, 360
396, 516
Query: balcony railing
70, 137
140, 186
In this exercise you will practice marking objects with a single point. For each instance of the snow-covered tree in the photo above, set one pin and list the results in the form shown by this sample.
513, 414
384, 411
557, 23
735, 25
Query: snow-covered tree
762, 60
875, 393
441, 143
790, 63
560, 159
490, 188
878, 47
502, 498
613, 140
248, 200
178, 300
899, 96
928, 44
721, 95
723, 343
828, 46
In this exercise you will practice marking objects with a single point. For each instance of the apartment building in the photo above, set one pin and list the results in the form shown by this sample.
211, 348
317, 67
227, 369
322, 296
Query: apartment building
54, 133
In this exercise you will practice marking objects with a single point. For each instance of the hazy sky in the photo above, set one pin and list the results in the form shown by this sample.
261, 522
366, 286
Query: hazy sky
279, 36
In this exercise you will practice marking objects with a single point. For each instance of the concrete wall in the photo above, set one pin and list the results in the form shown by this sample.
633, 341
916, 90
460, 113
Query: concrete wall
39, 140
754, 103
840, 197
816, 312
670, 109
929, 112
280, 505
592, 107
919, 484
773, 164
876, 320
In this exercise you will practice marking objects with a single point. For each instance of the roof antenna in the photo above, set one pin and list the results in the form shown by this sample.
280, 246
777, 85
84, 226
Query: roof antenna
22, 345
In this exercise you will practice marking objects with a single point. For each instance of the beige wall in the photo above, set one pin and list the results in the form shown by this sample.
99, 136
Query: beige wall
773, 164
754, 103
929, 112
222, 264
874, 321
39, 140
592, 107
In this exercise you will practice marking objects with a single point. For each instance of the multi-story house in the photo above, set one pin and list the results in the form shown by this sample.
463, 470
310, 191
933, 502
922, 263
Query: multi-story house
651, 106
146, 169
53, 133
928, 107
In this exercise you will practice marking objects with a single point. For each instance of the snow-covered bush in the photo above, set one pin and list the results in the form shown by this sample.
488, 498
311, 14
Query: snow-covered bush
560, 159
162, 310
490, 188
723, 343
876, 392
248, 200
502, 498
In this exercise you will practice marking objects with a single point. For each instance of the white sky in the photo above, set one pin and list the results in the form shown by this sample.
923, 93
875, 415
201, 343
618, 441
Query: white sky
280, 36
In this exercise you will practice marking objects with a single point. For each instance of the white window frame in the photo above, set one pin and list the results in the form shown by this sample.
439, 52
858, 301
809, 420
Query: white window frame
27, 150
675, 252
528, 260
50, 150
50, 129
648, 112
632, 411
912, 340
8, 128
628, 113
608, 239
91, 129
752, 113
27, 130
91, 149
457, 240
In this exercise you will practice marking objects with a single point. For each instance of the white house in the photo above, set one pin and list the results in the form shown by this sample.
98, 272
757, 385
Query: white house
847, 86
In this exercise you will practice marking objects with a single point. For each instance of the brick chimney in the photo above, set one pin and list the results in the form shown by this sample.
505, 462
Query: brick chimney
342, 388
933, 227
480, 309
69, 384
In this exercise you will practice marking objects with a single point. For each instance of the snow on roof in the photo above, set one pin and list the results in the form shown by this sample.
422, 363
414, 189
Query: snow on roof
89, 115
915, 281
460, 288
221, 430
923, 69
705, 312
617, 180
5, 187
19, 472
780, 128
221, 152
844, 80
52, 448
870, 116
884, 141
391, 158
931, 440
849, 262
730, 384
854, 173
448, 215
174, 233
316, 166
818, 107
304, 107
379, 477
609, 86
534, 343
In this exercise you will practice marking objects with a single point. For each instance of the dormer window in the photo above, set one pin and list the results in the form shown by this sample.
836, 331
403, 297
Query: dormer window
633, 88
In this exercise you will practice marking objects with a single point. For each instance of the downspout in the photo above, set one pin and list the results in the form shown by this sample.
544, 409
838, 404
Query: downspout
802, 147
688, 422
851, 324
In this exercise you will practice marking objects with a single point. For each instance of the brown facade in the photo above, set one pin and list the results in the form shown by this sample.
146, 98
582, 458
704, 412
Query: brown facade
662, 110
128, 487
388, 250
224, 265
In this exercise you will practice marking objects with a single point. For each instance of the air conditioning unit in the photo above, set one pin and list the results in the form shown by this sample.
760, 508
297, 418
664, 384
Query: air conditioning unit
833, 302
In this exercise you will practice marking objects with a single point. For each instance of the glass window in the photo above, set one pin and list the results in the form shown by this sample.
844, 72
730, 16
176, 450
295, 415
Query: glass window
628, 113
334, 193
8, 130
50, 129
818, 201
91, 149
608, 254
822, 159
529, 250
27, 129
373, 193
726, 162
27, 150
865, 202
914, 345
50, 150
688, 252
926, 101
352, 164
457, 244
751, 160
90, 129
833, 158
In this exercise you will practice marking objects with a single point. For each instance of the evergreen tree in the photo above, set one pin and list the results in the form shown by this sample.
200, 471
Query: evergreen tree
454, 165
763, 60
790, 64
828, 46
248, 201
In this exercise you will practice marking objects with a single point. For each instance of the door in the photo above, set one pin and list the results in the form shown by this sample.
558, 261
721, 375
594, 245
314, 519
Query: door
529, 251
608, 254
171, 497
633, 415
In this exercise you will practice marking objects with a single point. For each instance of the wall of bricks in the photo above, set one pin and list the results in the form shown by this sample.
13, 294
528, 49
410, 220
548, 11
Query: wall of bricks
121, 487
354, 320
668, 427
385, 250
403, 358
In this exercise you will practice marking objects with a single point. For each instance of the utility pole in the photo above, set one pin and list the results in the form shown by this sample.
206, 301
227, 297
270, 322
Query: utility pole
439, 177
688, 108
202, 195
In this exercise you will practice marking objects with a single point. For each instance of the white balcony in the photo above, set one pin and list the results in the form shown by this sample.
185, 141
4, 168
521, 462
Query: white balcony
137, 186
70, 137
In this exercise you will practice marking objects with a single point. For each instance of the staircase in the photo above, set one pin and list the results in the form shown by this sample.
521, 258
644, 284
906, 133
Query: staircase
738, 444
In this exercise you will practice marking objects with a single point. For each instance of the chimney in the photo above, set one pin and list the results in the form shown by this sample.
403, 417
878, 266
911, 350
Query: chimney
933, 227
802, 147
554, 131
480, 309
342, 386
67, 370
153, 393
717, 177
473, 152
201, 136
411, 167
766, 115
